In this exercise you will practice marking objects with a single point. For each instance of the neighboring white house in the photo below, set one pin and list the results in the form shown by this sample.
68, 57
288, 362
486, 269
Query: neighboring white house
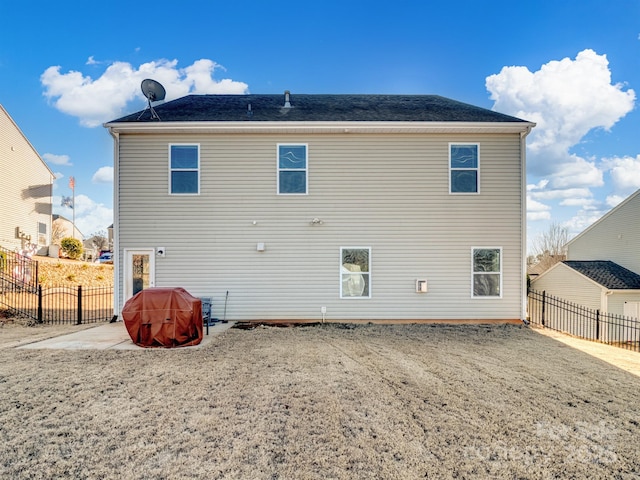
615, 236
26, 185
602, 271
342, 207
65, 228
595, 284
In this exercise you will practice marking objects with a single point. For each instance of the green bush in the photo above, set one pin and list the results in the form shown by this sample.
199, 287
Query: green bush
72, 247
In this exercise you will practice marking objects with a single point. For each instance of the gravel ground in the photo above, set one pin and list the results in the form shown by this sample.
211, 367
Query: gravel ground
321, 402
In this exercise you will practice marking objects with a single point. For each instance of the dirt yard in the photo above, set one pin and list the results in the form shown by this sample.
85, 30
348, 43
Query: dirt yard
322, 402
64, 272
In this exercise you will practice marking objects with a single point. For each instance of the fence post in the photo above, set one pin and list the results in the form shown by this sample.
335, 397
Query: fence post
544, 302
597, 324
79, 304
40, 315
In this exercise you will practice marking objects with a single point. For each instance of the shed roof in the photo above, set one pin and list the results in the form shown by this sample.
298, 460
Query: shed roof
606, 273
317, 108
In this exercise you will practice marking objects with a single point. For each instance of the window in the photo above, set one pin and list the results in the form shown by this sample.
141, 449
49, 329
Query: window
292, 169
184, 166
464, 170
487, 272
355, 272
42, 233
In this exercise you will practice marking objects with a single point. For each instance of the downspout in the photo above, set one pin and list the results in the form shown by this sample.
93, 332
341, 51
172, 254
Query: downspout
116, 228
523, 216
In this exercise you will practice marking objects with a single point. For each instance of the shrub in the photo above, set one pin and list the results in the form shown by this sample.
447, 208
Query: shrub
71, 277
72, 247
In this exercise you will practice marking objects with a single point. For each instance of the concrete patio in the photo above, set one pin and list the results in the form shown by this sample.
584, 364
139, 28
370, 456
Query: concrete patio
110, 336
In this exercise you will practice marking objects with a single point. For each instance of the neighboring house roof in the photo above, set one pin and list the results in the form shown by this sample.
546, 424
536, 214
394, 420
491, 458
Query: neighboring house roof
606, 215
606, 273
318, 108
67, 222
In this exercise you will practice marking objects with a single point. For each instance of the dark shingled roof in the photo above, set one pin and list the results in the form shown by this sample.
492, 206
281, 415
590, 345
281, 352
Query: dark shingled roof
608, 274
318, 108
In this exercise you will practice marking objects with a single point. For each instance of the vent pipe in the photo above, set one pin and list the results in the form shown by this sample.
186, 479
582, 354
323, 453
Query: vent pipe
287, 103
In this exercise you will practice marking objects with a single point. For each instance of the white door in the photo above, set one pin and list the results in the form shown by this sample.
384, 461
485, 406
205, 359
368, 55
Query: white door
632, 309
139, 271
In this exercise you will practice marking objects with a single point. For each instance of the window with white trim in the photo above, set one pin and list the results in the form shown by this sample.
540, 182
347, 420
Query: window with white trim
42, 233
464, 168
355, 272
184, 169
292, 169
487, 272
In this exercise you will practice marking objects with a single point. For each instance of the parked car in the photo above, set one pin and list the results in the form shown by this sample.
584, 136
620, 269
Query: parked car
105, 258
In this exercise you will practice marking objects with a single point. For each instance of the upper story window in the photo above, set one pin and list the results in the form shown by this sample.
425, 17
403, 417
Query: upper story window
292, 169
184, 169
487, 272
464, 168
355, 272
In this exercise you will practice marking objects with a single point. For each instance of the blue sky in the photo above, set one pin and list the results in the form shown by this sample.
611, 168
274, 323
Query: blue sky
573, 67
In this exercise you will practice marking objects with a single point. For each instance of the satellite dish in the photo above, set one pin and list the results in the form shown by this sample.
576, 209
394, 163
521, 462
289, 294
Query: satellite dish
154, 92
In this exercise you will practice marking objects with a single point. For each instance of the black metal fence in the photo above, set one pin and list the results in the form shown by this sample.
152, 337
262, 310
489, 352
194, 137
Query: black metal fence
557, 314
56, 304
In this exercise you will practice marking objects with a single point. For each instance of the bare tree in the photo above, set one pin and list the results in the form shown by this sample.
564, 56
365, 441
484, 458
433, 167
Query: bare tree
57, 233
550, 247
99, 241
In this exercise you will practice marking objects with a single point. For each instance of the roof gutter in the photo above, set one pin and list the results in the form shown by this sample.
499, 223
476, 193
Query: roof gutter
319, 127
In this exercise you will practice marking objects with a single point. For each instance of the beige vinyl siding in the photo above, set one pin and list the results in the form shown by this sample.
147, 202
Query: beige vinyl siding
564, 282
614, 237
615, 302
390, 193
25, 187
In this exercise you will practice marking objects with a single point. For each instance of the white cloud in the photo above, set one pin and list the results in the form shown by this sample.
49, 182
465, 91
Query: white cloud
535, 206
538, 186
587, 204
95, 101
57, 159
537, 210
582, 220
103, 175
535, 216
614, 200
567, 98
560, 194
625, 172
577, 173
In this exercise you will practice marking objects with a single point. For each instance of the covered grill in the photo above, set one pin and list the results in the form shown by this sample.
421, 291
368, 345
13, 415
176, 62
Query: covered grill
163, 317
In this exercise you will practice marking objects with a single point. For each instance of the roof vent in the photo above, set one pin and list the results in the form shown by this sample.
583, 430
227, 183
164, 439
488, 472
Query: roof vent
287, 103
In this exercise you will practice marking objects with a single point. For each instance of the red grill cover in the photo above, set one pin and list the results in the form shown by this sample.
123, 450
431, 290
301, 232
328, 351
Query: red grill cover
163, 317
